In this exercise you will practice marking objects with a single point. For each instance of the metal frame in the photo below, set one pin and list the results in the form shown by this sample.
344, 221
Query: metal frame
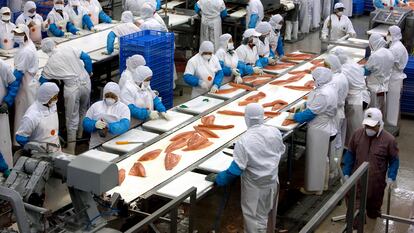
359, 176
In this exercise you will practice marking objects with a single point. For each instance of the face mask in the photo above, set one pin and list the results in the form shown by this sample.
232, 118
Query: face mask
230, 46
389, 38
339, 13
31, 15
207, 57
19, 39
278, 26
6, 18
59, 7
110, 101
370, 132
145, 84
53, 103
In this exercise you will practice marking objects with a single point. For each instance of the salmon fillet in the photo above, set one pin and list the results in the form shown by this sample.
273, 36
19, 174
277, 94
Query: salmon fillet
137, 170
171, 160
150, 155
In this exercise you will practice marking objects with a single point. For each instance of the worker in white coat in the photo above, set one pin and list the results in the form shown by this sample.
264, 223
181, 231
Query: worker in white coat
337, 25
150, 21
73, 67
6, 29
203, 71
320, 113
305, 15
135, 5
256, 159
275, 39
247, 51
141, 100
26, 64
40, 123
212, 11
107, 118
397, 76
32, 20
378, 69
292, 22
59, 23
9, 87
316, 14
131, 64
347, 6
95, 11
263, 44
125, 28
354, 73
78, 15
254, 13
340, 82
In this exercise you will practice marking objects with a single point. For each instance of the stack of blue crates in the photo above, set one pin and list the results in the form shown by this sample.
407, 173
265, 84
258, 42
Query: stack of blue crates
407, 99
158, 50
358, 7
3, 3
368, 6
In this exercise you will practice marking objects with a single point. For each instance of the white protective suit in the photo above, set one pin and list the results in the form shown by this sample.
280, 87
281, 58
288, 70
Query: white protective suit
323, 102
380, 63
65, 64
254, 7
75, 17
41, 123
275, 32
257, 153
60, 20
227, 54
6, 28
26, 61
210, 29
203, 69
6, 78
326, 8
305, 15
33, 21
337, 27
263, 46
108, 113
127, 26
245, 53
135, 5
348, 7
93, 7
316, 13
150, 21
397, 76
131, 64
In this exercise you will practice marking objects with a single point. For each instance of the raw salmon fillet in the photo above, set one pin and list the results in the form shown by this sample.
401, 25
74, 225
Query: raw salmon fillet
175, 145
137, 170
171, 160
150, 155
187, 135
121, 176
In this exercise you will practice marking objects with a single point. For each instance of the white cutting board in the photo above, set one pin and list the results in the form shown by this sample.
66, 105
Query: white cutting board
277, 122
229, 95
96, 154
238, 14
174, 19
104, 26
132, 135
99, 55
218, 163
190, 179
199, 105
59, 40
163, 125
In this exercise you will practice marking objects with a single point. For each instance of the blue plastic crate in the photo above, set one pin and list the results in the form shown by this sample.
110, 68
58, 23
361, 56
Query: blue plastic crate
15, 15
407, 98
3, 3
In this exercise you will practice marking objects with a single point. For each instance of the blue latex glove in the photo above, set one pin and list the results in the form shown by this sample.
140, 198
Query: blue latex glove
197, 9
89, 125
378, 4
279, 48
349, 161
304, 116
218, 78
139, 113
158, 5
393, 166
226, 69
87, 22
55, 30
70, 27
366, 71
227, 176
259, 63
120, 127
104, 17
191, 80
110, 42
253, 20
12, 91
87, 61
264, 61
3, 165
22, 140
158, 105
223, 13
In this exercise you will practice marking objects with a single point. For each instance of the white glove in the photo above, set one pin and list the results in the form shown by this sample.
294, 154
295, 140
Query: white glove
238, 79
272, 61
391, 183
258, 70
214, 89
298, 108
116, 46
67, 34
203, 84
94, 29
291, 116
78, 33
235, 72
154, 115
100, 124
165, 116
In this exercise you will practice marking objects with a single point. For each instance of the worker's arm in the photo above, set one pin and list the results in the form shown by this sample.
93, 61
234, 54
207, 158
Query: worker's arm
264, 61
259, 63
197, 8
119, 127
158, 105
279, 48
4, 168
253, 20
325, 28
12, 88
349, 161
244, 69
89, 125
367, 72
304, 116
42, 79
104, 17
70, 27
55, 30
28, 124
110, 42
227, 176
223, 13
218, 78
191, 80
226, 70
87, 22
158, 5
87, 61
139, 113
378, 4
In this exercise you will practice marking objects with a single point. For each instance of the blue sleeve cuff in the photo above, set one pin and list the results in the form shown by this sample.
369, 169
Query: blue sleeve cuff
259, 63
304, 116
18, 75
12, 91
349, 161
227, 176
55, 30
366, 71
226, 69
87, 61
43, 80
235, 169
218, 79
87, 22
110, 42
139, 113
245, 69
104, 17
394, 164
223, 13
22, 140
119, 127
197, 8
158, 105
253, 20
70, 27
264, 61
191, 80
279, 48
89, 125
3, 165
271, 53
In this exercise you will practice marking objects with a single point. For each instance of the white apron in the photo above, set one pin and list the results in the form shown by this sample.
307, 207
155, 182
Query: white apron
207, 74
354, 113
393, 101
48, 131
36, 32
5, 140
6, 42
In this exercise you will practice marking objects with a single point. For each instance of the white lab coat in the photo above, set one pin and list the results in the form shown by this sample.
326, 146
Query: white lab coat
348, 7
6, 35
101, 111
58, 19
257, 153
230, 60
263, 48
36, 30
26, 61
6, 78
210, 29
153, 24
316, 13
254, 7
93, 7
247, 55
135, 6
204, 70
305, 15
74, 18
65, 64
336, 27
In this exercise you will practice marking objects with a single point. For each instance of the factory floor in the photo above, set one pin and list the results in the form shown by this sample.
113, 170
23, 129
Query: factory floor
296, 209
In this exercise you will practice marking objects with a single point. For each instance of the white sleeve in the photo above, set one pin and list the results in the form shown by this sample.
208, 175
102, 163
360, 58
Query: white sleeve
318, 105
127, 97
240, 54
125, 112
91, 112
325, 30
27, 126
190, 67
350, 27
240, 155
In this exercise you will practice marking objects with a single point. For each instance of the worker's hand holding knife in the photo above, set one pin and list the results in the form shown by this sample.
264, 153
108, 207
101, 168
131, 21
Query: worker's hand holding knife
101, 124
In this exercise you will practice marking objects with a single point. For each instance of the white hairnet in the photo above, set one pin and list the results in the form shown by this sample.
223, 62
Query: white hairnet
395, 33
46, 92
28, 6
48, 45
333, 61
206, 46
339, 5
341, 54
74, 2
147, 11
141, 73
251, 32
264, 27
5, 10
113, 88
254, 114
376, 41
134, 61
275, 20
224, 40
127, 17
22, 28
322, 76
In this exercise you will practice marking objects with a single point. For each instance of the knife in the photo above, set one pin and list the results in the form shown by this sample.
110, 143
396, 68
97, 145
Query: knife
126, 142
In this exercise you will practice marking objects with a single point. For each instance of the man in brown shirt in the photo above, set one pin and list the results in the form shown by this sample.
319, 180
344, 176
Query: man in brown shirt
373, 144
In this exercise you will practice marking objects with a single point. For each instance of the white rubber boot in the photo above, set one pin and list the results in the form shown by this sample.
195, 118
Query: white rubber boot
295, 30
288, 31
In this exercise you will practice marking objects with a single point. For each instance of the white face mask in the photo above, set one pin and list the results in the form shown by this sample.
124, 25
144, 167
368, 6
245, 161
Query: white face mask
31, 14
389, 38
18, 39
145, 84
230, 46
110, 101
370, 132
53, 103
339, 13
255, 40
207, 57
6, 18
278, 26
59, 7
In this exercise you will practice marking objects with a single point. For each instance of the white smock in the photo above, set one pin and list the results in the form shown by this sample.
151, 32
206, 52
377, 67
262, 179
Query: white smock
36, 21
337, 27
76, 18
93, 7
247, 55
58, 19
210, 29
6, 35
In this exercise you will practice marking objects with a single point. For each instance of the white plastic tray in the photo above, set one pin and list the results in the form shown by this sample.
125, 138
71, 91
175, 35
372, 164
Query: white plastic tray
229, 95
218, 163
199, 105
96, 154
132, 135
164, 125
98, 54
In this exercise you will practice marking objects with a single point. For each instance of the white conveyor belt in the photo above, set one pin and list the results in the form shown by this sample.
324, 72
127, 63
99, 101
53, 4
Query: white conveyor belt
218, 163
133, 135
239, 14
96, 154
199, 105
162, 125
170, 5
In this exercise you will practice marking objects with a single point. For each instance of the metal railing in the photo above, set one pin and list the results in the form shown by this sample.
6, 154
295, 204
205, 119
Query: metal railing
360, 176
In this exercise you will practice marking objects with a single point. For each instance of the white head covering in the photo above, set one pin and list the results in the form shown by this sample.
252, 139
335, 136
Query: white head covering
341, 54
275, 20
333, 62
372, 117
141, 73
251, 32
206, 46
224, 40
395, 33
134, 61
22, 28
74, 2
48, 45
28, 6
127, 17
254, 114
376, 41
46, 92
4, 10
264, 28
147, 11
339, 5
113, 88
322, 76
